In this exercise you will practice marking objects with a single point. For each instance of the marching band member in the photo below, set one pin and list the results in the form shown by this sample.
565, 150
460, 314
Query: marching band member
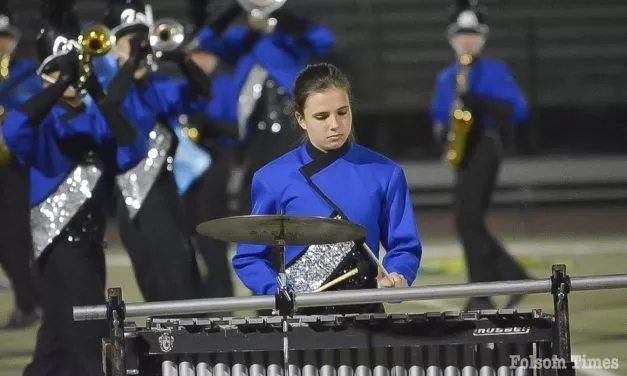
208, 197
18, 82
265, 60
74, 152
152, 223
496, 103
267, 56
332, 176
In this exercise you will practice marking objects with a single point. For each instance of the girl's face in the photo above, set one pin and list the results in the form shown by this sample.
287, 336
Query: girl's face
327, 118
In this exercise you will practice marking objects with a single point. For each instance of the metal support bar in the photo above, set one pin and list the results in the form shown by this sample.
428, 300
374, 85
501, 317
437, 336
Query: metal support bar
560, 287
115, 315
349, 297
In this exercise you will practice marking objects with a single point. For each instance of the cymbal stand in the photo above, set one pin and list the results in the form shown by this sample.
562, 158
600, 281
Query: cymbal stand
284, 297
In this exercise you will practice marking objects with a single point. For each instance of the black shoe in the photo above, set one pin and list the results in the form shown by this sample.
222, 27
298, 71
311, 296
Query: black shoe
479, 304
21, 320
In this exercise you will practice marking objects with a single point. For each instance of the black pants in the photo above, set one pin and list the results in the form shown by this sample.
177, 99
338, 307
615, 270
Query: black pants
158, 243
486, 259
71, 274
206, 200
15, 237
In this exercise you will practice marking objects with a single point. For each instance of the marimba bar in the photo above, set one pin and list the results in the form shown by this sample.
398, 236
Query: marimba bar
366, 296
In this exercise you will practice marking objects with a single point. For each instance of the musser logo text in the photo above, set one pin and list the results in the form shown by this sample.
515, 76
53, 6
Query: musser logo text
501, 331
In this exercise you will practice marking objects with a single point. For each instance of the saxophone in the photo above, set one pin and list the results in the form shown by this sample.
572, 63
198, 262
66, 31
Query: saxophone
5, 60
5, 154
461, 119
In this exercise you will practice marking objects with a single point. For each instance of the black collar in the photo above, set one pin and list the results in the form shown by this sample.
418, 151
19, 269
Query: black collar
322, 160
316, 153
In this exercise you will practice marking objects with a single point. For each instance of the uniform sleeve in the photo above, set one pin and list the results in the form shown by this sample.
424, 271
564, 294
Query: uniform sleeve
399, 234
512, 92
251, 262
220, 108
34, 147
34, 85
228, 47
129, 155
171, 97
318, 41
500, 86
440, 110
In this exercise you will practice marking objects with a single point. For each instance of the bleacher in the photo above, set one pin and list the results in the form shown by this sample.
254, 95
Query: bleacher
569, 57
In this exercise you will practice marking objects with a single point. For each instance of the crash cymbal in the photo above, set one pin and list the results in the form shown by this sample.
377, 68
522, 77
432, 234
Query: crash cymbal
270, 229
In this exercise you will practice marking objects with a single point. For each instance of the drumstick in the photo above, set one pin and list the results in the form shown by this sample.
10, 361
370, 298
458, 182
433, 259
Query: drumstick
339, 279
376, 259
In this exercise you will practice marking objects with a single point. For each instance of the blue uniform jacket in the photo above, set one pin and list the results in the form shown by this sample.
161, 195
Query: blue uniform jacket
22, 83
280, 54
38, 146
155, 97
370, 189
231, 45
165, 99
159, 97
489, 78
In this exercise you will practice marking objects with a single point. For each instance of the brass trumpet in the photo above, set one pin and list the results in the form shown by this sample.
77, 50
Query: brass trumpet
462, 119
95, 41
166, 35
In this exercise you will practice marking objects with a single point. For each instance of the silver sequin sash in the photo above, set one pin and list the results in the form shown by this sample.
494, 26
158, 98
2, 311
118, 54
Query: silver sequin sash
316, 265
248, 97
136, 183
51, 216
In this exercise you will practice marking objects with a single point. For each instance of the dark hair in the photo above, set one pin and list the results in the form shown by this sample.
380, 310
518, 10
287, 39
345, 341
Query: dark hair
314, 79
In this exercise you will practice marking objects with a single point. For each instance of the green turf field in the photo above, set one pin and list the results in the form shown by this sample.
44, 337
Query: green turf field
599, 318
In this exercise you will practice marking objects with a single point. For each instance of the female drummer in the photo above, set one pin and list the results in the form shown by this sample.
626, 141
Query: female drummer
332, 176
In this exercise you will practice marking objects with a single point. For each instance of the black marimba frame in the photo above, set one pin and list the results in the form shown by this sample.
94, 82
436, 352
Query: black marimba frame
559, 285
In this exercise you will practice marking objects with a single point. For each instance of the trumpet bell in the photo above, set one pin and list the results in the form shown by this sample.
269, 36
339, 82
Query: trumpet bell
167, 35
265, 6
96, 40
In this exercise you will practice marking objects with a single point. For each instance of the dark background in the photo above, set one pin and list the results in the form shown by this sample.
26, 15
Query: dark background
569, 57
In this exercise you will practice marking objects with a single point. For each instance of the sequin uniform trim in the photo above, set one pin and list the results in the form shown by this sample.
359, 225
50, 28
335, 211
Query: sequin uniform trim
136, 183
316, 265
50, 217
